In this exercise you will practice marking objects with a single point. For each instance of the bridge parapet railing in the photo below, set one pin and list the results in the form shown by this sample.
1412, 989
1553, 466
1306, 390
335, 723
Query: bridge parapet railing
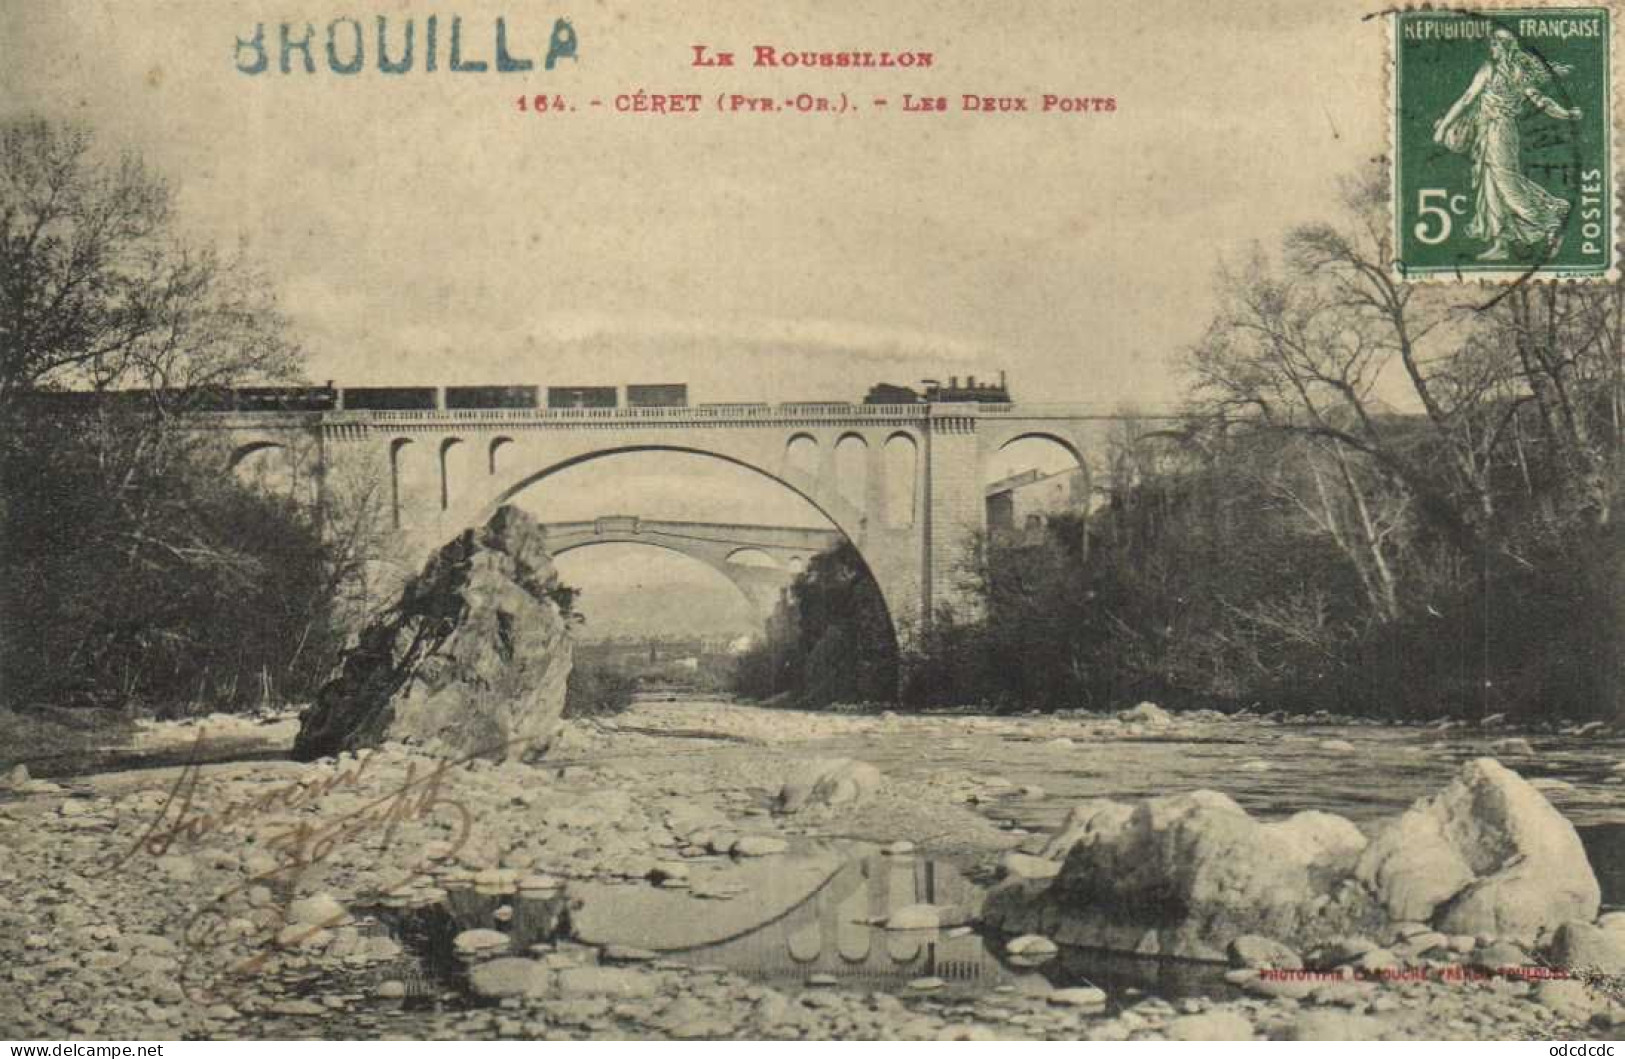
685, 413
759, 413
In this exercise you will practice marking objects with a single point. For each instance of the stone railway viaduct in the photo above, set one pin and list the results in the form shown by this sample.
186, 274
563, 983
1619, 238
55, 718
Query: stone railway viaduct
903, 482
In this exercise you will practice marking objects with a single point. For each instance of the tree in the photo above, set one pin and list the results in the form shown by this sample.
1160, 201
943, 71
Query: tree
124, 544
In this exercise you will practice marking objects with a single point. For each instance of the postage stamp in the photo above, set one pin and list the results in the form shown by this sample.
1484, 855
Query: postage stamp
1503, 143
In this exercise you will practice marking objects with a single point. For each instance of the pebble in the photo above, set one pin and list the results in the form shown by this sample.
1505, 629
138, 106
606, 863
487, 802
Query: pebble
322, 908
540, 882
1334, 1026
1211, 1026
606, 981
758, 846
479, 939
915, 917
1031, 945
1086, 996
510, 976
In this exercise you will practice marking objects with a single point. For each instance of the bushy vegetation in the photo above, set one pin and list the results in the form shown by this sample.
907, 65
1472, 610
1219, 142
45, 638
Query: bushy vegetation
829, 642
598, 691
136, 571
1381, 499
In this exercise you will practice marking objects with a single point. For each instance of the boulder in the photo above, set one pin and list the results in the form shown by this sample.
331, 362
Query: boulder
1413, 867
479, 940
1031, 945
1251, 950
1210, 1026
1192, 875
1486, 855
1026, 866
827, 782
1148, 713
1185, 875
472, 660
1499, 955
619, 982
1570, 998
1334, 1026
758, 846
1581, 947
1088, 822
322, 910
510, 976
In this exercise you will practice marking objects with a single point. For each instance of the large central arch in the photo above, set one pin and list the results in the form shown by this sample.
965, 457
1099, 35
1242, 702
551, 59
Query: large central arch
843, 517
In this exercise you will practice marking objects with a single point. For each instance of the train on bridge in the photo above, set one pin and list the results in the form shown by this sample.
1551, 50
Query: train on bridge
330, 398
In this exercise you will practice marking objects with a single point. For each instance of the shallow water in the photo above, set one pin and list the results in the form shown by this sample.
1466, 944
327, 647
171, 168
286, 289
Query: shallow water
819, 933
1271, 770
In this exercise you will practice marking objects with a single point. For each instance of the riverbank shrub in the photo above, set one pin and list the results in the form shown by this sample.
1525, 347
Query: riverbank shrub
829, 641
598, 691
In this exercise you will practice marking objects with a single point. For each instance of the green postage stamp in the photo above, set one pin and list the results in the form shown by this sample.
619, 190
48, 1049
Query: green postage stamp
1503, 143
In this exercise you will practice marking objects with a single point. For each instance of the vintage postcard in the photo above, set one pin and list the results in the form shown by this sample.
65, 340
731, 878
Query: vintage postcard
932, 520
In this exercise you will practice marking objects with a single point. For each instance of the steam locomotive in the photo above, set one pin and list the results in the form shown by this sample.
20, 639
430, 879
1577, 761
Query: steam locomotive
931, 390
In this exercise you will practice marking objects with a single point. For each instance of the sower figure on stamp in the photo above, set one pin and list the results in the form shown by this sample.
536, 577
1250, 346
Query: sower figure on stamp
1509, 207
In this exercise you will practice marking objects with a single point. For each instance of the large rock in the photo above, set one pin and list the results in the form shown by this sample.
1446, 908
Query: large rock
1147, 713
1191, 875
1488, 854
1581, 947
1185, 875
827, 782
472, 660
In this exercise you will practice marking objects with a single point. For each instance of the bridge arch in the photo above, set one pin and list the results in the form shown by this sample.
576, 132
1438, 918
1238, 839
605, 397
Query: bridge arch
451, 451
252, 448
847, 518
852, 466
801, 453
1048, 435
498, 443
758, 591
900, 472
399, 457
750, 556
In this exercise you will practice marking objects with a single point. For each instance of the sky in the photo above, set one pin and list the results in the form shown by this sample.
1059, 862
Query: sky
422, 230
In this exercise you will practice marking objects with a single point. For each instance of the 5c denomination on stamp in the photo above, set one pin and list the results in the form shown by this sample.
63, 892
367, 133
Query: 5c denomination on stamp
1503, 143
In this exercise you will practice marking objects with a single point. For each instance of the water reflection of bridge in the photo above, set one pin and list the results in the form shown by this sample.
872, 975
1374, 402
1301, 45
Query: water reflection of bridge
828, 933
